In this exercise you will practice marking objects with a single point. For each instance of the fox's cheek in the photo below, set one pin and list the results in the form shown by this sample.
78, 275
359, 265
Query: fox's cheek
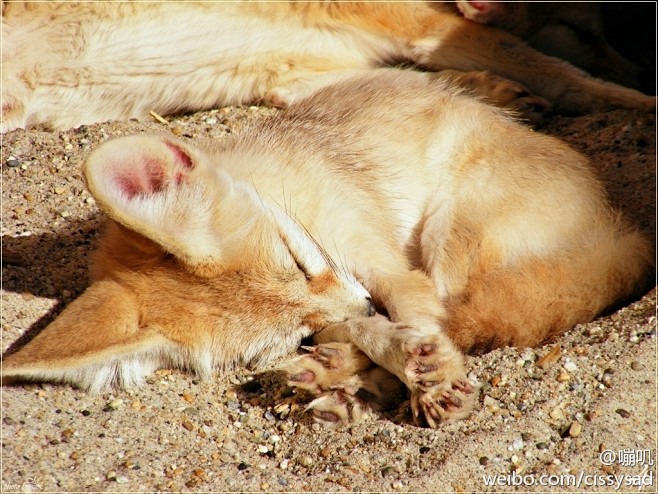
316, 321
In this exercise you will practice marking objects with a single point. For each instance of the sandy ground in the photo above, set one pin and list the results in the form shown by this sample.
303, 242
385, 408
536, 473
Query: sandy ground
587, 414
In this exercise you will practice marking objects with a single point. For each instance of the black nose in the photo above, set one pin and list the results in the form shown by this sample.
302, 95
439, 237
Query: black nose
372, 310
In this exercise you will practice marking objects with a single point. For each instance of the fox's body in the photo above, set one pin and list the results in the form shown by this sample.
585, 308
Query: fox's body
67, 64
469, 230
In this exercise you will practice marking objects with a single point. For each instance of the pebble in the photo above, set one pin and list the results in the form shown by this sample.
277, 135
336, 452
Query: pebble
397, 485
517, 444
550, 358
570, 366
556, 414
211, 121
114, 404
575, 429
624, 413
13, 162
188, 425
636, 366
305, 461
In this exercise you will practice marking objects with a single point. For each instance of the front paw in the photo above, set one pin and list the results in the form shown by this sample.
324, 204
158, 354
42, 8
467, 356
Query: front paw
325, 366
440, 390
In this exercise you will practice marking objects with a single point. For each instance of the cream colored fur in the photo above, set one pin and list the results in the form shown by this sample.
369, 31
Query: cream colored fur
73, 63
233, 251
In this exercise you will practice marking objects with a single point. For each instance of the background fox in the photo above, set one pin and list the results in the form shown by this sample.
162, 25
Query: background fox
232, 252
73, 63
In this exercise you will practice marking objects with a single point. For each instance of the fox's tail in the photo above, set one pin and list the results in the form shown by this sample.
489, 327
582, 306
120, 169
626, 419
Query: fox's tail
544, 297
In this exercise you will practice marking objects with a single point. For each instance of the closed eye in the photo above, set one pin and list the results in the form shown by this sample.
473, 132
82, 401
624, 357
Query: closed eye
300, 265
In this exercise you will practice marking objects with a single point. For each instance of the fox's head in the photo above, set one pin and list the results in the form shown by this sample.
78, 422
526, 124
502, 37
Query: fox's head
195, 270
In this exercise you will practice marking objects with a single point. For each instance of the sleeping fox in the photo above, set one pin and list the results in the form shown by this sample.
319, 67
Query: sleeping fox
381, 215
70, 63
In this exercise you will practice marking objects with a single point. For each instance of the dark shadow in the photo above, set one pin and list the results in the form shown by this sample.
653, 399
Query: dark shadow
49, 265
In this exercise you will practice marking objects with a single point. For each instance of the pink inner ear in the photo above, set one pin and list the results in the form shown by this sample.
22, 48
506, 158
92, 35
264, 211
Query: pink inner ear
481, 5
182, 158
147, 177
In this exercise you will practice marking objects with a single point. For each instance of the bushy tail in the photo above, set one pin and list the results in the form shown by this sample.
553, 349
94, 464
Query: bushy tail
544, 297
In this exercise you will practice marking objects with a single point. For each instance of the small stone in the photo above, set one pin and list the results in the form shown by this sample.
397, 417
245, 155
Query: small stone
275, 438
13, 162
114, 404
484, 461
122, 480
85, 413
231, 395
564, 377
541, 445
211, 121
517, 444
388, 471
59, 190
75, 455
624, 413
188, 425
550, 358
495, 381
397, 485
188, 398
636, 366
269, 416
262, 449
305, 461
325, 452
177, 131
284, 463
556, 414
575, 429
570, 366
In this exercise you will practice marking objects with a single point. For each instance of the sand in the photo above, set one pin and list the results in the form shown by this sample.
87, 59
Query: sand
587, 415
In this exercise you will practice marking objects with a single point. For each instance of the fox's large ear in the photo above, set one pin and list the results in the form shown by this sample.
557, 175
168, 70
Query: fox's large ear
159, 187
96, 342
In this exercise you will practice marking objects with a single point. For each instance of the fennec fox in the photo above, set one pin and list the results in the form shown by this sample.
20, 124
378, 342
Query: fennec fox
466, 229
70, 63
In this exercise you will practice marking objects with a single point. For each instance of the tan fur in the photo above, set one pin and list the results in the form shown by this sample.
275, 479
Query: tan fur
231, 253
67, 64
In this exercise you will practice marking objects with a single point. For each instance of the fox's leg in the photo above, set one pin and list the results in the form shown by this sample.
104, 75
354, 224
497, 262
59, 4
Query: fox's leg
440, 41
500, 92
437, 40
